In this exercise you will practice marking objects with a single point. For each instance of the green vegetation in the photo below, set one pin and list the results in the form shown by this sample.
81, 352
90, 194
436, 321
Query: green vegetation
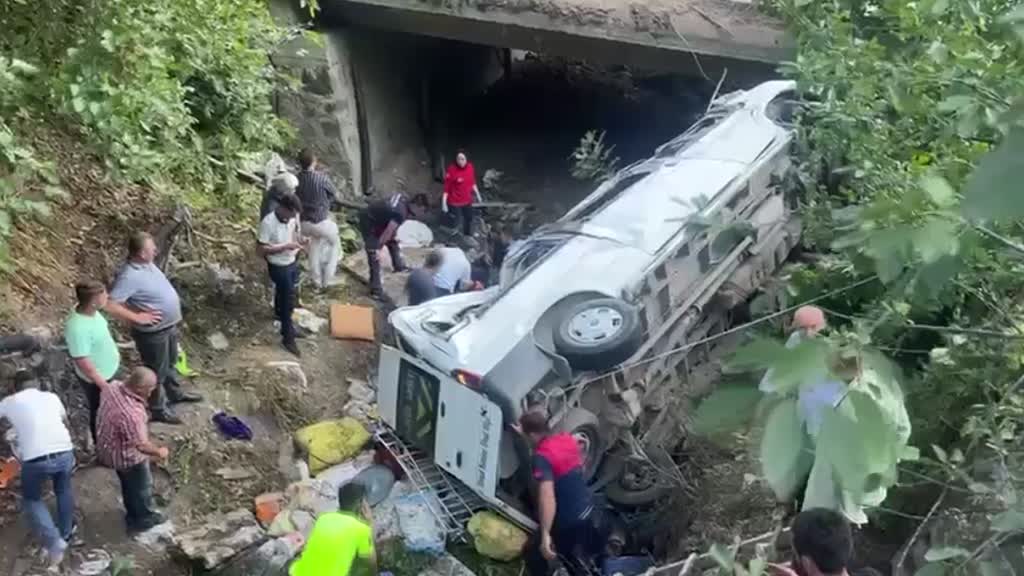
174, 94
911, 151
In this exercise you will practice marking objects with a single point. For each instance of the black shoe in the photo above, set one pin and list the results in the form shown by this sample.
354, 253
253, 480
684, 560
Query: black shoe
292, 347
184, 397
401, 268
154, 519
166, 417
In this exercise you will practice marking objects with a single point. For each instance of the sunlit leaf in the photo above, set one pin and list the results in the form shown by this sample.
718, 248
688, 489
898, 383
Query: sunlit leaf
821, 491
935, 239
724, 557
993, 189
840, 440
938, 189
945, 553
785, 454
726, 409
1009, 521
761, 353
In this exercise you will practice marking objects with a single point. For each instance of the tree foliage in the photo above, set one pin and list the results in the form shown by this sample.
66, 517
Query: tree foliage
911, 151
160, 88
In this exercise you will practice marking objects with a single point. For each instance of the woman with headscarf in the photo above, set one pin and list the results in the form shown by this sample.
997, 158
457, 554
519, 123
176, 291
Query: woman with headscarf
459, 191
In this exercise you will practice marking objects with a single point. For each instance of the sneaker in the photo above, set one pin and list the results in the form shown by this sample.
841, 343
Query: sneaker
154, 519
72, 538
166, 417
56, 556
292, 347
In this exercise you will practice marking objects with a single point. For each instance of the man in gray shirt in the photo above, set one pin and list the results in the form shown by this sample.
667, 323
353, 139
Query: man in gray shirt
143, 296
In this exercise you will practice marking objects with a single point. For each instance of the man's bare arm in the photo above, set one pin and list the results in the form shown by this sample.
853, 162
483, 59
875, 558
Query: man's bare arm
126, 314
388, 233
546, 505
89, 370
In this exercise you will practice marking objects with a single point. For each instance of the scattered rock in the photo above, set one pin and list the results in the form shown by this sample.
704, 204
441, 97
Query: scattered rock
420, 529
308, 321
312, 496
218, 341
360, 390
282, 524
293, 370
447, 565
221, 538
342, 473
267, 560
235, 473
95, 563
158, 536
224, 280
303, 522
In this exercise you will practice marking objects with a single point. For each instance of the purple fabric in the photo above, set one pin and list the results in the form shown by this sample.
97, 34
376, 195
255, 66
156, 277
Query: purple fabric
232, 427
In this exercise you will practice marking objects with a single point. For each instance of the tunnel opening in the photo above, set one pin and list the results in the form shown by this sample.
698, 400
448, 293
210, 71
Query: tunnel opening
527, 123
518, 114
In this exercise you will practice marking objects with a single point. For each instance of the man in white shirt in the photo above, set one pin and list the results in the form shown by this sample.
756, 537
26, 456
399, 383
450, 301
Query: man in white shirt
280, 242
455, 274
45, 450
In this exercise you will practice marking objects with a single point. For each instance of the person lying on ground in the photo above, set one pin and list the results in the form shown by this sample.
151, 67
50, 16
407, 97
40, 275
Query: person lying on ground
564, 501
341, 542
91, 345
317, 194
822, 546
144, 297
46, 453
420, 285
279, 243
123, 444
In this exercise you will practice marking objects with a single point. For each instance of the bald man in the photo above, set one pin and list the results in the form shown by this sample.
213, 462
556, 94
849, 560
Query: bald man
122, 443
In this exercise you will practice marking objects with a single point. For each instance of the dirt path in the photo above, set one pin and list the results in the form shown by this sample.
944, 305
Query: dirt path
236, 380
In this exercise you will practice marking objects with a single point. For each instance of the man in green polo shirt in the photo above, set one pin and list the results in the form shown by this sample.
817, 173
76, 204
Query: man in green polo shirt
340, 538
91, 345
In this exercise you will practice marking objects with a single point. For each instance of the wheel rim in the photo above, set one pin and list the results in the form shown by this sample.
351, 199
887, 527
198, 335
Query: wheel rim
595, 325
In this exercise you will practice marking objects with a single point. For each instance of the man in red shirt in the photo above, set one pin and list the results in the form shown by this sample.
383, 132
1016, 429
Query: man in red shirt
122, 443
459, 190
564, 501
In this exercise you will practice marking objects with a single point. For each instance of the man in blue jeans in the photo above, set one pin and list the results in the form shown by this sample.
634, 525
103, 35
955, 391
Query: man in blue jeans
279, 242
46, 453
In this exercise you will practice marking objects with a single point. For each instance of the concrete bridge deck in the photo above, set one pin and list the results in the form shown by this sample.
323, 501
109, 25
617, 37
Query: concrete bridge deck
654, 34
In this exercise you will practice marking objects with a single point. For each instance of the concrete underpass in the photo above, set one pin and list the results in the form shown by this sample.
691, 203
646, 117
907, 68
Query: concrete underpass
396, 86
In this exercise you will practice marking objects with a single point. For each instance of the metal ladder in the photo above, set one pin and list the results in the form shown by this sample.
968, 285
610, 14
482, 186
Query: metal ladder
450, 502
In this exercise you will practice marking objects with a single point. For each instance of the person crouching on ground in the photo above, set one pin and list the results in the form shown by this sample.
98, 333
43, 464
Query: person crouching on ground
45, 450
455, 273
564, 501
91, 345
420, 285
279, 243
123, 444
340, 539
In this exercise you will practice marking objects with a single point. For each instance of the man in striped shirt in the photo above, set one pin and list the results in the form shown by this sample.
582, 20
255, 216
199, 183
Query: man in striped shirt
123, 444
317, 193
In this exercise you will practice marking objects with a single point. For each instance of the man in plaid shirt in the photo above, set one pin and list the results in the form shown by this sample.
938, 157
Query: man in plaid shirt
122, 443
